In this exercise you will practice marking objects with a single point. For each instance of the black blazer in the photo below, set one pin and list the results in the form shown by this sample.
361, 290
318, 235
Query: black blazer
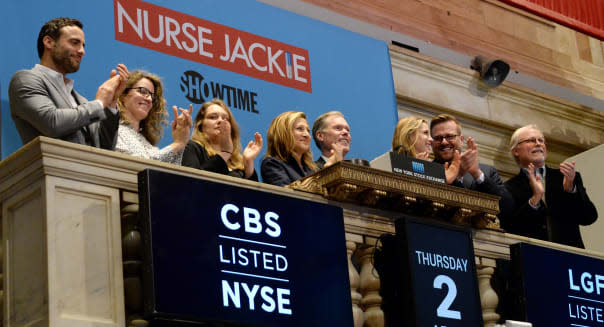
281, 173
558, 221
196, 156
320, 163
492, 183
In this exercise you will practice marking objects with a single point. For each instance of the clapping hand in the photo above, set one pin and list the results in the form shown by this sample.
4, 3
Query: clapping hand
337, 153
452, 169
181, 125
251, 151
536, 185
568, 170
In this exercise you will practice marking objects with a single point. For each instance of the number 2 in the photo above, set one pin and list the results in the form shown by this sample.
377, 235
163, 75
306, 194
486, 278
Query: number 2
443, 310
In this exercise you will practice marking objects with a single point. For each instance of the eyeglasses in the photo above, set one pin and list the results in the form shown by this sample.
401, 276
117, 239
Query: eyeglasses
440, 138
143, 91
532, 141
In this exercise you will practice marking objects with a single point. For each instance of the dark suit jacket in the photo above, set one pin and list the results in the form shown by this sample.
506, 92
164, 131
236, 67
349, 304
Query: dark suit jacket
196, 156
39, 107
492, 183
281, 173
558, 221
320, 163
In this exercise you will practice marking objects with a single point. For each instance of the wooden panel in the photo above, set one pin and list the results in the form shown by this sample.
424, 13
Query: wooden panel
528, 43
583, 47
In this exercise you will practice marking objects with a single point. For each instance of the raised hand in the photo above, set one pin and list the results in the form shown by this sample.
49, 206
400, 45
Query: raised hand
181, 126
568, 170
107, 91
423, 155
337, 154
452, 169
123, 74
469, 160
251, 151
536, 186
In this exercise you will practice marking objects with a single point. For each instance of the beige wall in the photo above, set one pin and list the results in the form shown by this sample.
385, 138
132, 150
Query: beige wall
530, 44
425, 86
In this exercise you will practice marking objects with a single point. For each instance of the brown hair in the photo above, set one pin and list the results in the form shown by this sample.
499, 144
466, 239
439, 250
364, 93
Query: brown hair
199, 136
151, 126
443, 118
52, 28
281, 138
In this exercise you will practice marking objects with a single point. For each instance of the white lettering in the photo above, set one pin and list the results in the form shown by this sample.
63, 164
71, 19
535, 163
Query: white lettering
298, 67
223, 216
121, 13
271, 220
251, 55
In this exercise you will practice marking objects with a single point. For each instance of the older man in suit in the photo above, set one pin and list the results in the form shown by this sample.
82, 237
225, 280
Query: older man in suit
44, 102
542, 202
332, 136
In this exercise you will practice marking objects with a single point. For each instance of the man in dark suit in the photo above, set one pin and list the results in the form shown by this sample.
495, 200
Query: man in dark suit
447, 140
332, 136
542, 202
44, 102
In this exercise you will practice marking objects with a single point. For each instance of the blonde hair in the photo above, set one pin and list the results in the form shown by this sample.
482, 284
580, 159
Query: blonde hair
151, 127
236, 160
405, 135
281, 138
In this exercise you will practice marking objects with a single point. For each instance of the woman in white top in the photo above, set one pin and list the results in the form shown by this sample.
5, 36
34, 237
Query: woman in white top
143, 112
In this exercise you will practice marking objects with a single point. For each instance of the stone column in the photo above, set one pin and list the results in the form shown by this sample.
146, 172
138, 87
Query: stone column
370, 288
355, 281
488, 297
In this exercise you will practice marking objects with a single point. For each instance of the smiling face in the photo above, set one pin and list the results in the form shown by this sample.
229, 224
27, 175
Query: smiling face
67, 51
138, 104
530, 148
423, 141
216, 123
447, 139
301, 133
336, 131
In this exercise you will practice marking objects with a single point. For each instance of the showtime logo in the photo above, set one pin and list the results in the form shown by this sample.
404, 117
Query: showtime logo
198, 90
181, 35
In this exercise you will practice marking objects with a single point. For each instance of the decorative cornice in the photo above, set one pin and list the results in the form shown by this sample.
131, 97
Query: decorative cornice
409, 61
361, 185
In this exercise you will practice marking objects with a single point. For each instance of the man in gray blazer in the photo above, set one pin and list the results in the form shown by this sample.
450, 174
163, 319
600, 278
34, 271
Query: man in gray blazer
44, 102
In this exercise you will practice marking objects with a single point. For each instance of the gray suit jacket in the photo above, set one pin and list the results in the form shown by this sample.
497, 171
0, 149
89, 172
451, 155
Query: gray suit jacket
39, 107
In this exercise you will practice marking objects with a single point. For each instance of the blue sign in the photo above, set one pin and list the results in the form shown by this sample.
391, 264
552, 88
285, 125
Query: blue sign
558, 288
443, 277
222, 253
425, 280
260, 59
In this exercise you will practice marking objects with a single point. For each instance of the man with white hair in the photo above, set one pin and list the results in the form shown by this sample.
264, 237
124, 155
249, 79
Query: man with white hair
542, 202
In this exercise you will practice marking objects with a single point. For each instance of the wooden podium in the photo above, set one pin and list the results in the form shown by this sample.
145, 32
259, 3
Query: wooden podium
71, 245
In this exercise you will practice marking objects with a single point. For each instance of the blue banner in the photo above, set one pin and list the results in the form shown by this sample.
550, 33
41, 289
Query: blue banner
261, 60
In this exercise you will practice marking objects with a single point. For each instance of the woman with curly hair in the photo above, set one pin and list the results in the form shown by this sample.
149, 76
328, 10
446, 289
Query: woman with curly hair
143, 112
215, 144
412, 137
288, 157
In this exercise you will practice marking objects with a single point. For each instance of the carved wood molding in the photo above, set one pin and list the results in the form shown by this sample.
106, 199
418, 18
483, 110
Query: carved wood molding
371, 187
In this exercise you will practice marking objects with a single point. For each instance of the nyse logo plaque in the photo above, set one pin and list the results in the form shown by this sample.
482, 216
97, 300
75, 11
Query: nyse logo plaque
225, 254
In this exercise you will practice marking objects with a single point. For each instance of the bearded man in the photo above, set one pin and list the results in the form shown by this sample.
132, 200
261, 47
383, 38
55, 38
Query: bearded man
43, 101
